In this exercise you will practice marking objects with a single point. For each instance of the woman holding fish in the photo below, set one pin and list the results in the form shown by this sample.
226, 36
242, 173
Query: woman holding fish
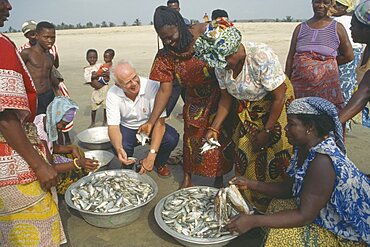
251, 72
68, 160
203, 97
324, 201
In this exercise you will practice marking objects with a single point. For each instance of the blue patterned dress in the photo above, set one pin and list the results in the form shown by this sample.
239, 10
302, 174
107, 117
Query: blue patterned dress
347, 214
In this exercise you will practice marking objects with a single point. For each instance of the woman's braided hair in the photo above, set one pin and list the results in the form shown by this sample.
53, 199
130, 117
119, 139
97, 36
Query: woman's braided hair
165, 16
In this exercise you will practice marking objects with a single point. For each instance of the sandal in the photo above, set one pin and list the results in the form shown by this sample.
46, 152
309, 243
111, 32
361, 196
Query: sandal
163, 171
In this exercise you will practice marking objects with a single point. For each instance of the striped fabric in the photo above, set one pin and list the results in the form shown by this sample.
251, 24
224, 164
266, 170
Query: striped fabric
324, 41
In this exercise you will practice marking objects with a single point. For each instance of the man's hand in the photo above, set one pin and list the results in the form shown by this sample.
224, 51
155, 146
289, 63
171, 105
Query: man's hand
146, 128
47, 176
148, 162
122, 156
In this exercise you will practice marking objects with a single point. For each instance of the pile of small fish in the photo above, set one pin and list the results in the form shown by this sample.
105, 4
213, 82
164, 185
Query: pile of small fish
191, 212
109, 194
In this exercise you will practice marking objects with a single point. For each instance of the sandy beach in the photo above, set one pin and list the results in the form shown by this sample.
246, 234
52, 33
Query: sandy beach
139, 45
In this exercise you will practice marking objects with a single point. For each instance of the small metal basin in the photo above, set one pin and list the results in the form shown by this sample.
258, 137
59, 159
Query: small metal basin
104, 157
95, 138
116, 219
186, 240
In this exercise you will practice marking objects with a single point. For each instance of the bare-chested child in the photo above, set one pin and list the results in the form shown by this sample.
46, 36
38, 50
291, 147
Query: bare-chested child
39, 62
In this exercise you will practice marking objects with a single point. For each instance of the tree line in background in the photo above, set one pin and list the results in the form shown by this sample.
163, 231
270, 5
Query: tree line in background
137, 22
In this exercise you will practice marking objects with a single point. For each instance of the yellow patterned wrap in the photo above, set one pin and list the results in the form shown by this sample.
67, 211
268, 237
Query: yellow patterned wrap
309, 235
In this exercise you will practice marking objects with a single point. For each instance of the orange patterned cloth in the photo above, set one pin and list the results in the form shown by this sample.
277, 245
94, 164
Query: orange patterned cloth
18, 93
28, 215
201, 102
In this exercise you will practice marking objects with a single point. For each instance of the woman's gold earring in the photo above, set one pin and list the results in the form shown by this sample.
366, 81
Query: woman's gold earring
308, 132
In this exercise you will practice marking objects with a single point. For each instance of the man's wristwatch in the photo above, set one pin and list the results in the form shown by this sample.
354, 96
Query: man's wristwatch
153, 151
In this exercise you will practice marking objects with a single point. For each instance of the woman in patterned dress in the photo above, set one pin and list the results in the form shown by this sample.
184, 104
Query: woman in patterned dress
329, 197
203, 96
360, 101
251, 72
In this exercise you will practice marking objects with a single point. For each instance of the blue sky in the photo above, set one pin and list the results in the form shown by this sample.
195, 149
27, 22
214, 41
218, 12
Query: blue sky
117, 11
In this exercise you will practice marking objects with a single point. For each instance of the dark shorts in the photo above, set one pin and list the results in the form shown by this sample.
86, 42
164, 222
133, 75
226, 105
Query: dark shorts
43, 100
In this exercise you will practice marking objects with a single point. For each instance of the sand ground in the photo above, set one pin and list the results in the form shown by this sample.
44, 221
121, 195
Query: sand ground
139, 45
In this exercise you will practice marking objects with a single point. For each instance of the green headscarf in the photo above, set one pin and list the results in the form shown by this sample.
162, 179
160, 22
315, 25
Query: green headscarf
220, 40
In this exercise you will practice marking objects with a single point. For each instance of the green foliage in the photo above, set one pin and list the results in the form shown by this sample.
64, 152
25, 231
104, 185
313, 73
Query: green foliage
288, 19
137, 22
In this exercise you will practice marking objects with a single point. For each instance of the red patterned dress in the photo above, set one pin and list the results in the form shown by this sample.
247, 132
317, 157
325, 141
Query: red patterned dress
28, 215
201, 102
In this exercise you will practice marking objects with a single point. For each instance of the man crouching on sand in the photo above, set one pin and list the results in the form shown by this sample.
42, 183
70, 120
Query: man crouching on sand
129, 104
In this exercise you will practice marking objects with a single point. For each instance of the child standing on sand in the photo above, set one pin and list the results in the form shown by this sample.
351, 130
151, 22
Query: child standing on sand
105, 67
92, 57
97, 76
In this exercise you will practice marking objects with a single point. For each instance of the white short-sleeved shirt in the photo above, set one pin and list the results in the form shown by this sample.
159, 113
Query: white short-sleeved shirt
132, 114
261, 73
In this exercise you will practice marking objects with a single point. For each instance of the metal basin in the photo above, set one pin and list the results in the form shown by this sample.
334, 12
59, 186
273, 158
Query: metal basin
116, 219
186, 240
95, 138
104, 157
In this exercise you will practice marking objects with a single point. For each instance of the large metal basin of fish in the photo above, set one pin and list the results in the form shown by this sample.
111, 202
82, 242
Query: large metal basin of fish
95, 138
190, 241
118, 218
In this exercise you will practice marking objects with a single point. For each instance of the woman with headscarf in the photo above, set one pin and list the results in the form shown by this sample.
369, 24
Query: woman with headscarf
68, 160
203, 96
317, 47
360, 28
347, 72
251, 72
329, 197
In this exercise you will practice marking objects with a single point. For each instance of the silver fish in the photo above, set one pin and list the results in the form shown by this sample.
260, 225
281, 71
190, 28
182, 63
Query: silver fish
142, 138
191, 212
109, 193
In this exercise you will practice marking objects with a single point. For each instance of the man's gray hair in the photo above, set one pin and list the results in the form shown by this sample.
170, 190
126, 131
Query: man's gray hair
113, 70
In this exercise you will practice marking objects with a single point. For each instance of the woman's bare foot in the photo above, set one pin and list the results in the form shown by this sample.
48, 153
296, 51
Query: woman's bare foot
186, 182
